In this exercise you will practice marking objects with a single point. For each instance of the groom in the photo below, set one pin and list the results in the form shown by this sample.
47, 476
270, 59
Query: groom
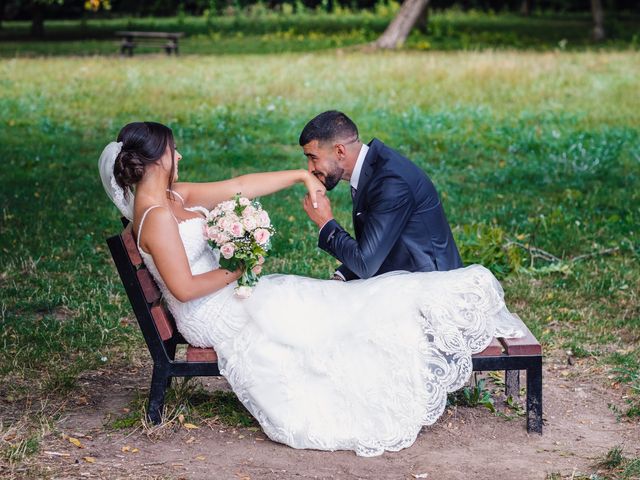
398, 218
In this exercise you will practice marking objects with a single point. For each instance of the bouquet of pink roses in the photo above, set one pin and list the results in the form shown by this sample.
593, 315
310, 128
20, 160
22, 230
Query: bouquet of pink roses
242, 231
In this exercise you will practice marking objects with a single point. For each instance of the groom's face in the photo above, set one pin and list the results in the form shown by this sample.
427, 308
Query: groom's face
324, 163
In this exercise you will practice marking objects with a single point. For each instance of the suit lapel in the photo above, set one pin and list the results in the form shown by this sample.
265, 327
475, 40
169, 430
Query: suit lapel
366, 173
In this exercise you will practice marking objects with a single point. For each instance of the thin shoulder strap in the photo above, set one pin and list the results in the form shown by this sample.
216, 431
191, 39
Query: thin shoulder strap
144, 215
177, 195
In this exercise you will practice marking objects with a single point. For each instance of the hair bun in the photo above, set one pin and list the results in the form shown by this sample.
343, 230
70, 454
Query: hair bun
128, 169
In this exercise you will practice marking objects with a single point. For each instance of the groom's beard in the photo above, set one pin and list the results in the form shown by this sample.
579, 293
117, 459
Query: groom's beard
333, 178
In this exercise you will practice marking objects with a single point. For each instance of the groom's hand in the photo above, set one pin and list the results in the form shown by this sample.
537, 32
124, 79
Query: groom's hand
322, 214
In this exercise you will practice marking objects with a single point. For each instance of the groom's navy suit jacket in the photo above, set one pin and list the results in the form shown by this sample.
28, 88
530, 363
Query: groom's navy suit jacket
398, 219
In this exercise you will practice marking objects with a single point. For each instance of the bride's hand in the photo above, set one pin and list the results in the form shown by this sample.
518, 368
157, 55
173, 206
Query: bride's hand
232, 276
315, 188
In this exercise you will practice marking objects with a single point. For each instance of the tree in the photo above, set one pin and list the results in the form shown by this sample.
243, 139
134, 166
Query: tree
398, 30
598, 20
39, 7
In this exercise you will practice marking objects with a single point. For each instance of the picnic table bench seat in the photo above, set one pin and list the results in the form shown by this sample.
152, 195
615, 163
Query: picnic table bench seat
168, 41
162, 338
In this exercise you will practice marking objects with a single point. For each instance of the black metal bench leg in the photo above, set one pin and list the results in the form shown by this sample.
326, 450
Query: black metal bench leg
534, 396
512, 383
170, 346
159, 382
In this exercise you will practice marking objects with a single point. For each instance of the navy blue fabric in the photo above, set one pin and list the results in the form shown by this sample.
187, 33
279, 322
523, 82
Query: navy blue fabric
398, 219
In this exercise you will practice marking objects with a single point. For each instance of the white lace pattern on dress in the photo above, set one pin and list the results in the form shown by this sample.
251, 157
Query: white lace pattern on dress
329, 365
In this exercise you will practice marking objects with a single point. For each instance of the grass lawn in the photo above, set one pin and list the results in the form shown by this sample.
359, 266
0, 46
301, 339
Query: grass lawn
528, 149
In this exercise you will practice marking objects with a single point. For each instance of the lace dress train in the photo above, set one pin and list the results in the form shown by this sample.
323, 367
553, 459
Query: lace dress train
329, 365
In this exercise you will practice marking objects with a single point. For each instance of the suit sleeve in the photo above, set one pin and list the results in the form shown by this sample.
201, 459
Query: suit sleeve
390, 205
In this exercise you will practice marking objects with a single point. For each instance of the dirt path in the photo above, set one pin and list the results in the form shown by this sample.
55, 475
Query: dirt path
465, 443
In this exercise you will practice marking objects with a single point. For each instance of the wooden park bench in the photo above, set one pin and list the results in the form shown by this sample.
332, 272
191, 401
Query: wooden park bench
164, 40
162, 338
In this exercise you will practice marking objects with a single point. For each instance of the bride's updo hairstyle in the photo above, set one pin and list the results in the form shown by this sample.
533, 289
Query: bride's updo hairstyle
143, 143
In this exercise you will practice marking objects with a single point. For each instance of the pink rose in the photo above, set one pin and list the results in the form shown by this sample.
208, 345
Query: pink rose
236, 229
249, 211
243, 292
227, 250
257, 269
260, 260
228, 206
261, 235
263, 219
244, 201
224, 223
212, 232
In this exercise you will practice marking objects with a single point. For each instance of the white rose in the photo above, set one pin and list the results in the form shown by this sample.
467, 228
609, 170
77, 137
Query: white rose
249, 223
243, 292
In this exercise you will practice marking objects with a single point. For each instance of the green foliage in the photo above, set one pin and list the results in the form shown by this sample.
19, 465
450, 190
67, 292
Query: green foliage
489, 246
613, 458
473, 396
222, 405
627, 372
619, 467
17, 451
188, 401
256, 29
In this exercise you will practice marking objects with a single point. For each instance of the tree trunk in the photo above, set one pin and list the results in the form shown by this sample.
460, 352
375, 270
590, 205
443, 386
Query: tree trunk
598, 20
37, 20
398, 30
525, 8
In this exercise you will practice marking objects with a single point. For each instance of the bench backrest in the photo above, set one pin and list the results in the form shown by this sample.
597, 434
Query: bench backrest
155, 321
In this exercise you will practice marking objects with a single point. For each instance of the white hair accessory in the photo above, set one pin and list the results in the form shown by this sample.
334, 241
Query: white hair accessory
115, 191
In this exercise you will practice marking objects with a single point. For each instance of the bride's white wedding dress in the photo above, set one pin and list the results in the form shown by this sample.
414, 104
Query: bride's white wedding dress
329, 365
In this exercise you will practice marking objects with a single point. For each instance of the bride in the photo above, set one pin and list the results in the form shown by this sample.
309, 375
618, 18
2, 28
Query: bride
359, 365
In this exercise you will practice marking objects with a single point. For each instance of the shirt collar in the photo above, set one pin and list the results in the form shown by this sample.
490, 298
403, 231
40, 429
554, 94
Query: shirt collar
355, 176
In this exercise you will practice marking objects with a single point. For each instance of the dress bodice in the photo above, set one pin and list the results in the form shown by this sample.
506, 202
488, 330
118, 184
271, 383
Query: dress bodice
202, 258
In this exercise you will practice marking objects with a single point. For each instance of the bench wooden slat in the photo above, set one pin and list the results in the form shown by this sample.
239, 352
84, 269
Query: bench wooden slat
195, 354
527, 345
149, 287
163, 324
130, 245
493, 349
172, 35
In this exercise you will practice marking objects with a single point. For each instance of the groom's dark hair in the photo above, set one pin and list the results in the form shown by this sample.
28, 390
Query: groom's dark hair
327, 127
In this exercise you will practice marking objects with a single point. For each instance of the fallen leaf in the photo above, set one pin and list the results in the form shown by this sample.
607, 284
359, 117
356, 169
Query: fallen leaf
135, 450
126, 448
75, 441
189, 426
181, 418
190, 440
89, 459
201, 457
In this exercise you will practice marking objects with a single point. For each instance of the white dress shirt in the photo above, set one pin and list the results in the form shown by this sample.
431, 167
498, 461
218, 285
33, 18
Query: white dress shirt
355, 176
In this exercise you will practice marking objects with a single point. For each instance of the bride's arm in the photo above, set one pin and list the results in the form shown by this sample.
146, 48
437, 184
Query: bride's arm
251, 185
161, 238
